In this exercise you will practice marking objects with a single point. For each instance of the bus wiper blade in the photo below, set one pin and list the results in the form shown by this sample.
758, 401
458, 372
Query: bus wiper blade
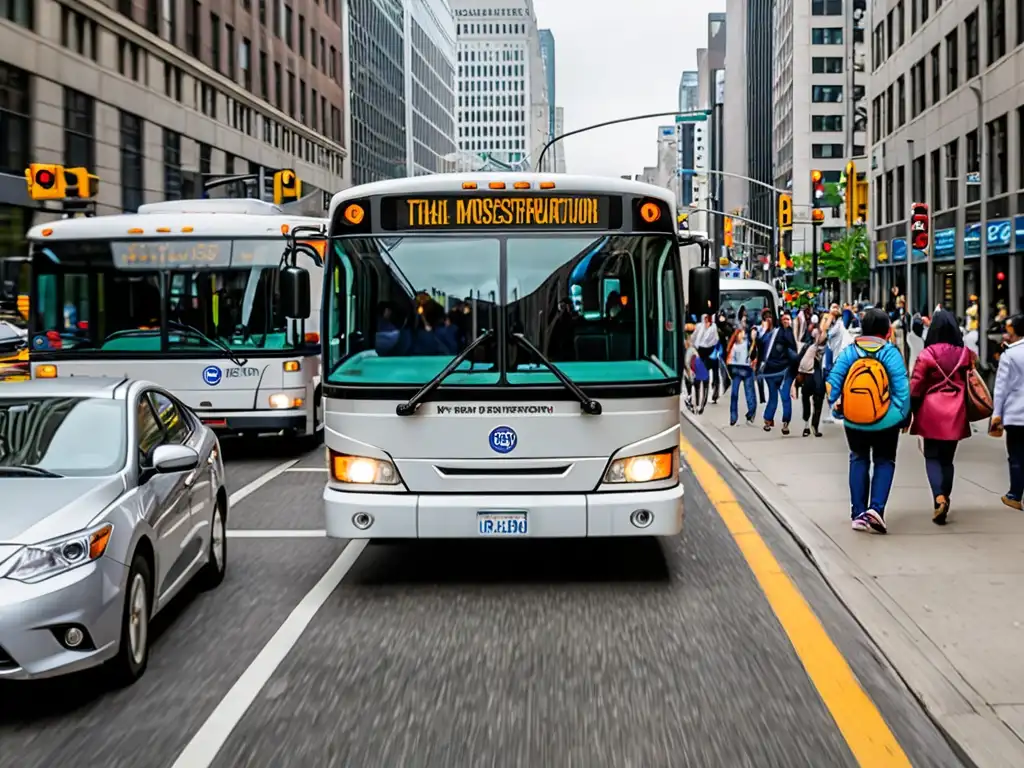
26, 470
653, 359
587, 404
226, 348
409, 407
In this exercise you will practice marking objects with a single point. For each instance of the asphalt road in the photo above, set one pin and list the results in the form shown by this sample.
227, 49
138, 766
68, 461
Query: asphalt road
594, 653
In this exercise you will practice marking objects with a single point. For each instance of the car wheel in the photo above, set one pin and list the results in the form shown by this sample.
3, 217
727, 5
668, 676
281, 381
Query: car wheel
216, 566
133, 653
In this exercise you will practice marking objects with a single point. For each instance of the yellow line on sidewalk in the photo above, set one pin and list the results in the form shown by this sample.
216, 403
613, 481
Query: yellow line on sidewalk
862, 725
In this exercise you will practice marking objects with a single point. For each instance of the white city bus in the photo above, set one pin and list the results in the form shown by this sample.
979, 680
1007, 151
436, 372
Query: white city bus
185, 294
502, 357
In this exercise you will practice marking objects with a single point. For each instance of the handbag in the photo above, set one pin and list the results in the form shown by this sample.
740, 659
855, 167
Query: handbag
979, 399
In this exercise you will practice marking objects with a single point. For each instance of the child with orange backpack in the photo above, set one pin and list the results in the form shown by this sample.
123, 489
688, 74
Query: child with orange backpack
869, 383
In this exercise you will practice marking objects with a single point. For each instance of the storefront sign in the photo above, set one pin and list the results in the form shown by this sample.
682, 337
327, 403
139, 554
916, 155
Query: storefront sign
899, 250
972, 240
504, 13
1000, 234
944, 244
1018, 225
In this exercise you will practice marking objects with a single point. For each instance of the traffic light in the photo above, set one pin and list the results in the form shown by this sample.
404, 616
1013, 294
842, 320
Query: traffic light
286, 186
785, 213
826, 247
817, 188
782, 259
45, 181
817, 217
862, 200
728, 231
79, 183
851, 194
920, 223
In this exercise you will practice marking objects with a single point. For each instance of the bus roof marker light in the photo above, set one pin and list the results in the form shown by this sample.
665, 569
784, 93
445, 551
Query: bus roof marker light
187, 230
469, 185
650, 212
521, 185
135, 231
163, 230
46, 372
497, 185
47, 232
285, 229
547, 185
355, 214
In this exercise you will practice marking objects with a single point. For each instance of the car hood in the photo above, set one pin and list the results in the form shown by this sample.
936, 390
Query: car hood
35, 509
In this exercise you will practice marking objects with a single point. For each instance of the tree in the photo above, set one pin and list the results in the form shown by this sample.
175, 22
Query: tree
849, 258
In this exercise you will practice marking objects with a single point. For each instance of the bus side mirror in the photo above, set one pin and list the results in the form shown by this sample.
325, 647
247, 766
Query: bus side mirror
703, 291
295, 303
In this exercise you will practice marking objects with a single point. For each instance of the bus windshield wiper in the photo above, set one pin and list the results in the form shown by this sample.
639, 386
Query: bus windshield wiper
587, 404
26, 470
222, 346
409, 407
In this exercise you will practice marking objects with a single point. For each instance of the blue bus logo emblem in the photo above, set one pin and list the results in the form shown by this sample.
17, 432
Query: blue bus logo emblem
503, 439
212, 375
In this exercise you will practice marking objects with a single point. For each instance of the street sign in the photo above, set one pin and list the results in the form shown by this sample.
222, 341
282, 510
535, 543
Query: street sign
695, 118
327, 200
974, 178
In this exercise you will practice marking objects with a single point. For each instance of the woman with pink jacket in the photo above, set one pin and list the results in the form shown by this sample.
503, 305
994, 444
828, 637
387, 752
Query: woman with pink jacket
938, 396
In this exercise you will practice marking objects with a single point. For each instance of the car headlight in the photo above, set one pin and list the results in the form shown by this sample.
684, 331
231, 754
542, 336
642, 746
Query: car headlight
362, 470
644, 469
39, 562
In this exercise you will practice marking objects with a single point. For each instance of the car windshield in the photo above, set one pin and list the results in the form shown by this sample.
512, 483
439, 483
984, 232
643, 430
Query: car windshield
731, 300
107, 296
602, 308
68, 436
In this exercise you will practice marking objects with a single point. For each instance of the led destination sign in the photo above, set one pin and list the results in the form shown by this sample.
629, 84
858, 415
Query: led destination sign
498, 211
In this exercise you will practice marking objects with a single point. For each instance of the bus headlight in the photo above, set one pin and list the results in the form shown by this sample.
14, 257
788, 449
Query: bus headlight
643, 469
362, 470
281, 401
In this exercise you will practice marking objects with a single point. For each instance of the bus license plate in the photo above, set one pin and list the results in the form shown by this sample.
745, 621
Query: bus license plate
502, 523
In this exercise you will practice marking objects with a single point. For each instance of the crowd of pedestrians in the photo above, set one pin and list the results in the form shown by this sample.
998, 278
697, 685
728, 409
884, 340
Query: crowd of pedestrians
864, 381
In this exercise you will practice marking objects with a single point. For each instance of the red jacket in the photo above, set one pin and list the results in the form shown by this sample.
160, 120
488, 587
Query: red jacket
938, 390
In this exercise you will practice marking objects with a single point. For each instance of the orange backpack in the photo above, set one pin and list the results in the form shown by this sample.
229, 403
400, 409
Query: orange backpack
866, 391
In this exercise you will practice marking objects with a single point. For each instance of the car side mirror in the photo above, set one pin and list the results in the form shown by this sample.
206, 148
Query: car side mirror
174, 458
295, 300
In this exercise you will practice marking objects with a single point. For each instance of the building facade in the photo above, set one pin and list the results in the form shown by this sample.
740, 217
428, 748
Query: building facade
689, 101
502, 100
430, 86
152, 95
547, 54
559, 148
947, 128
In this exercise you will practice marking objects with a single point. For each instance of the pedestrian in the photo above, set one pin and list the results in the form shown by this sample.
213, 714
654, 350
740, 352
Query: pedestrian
872, 389
705, 339
1008, 408
700, 377
810, 377
738, 358
938, 402
777, 356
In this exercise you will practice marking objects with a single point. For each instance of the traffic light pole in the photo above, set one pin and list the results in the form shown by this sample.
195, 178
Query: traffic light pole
814, 255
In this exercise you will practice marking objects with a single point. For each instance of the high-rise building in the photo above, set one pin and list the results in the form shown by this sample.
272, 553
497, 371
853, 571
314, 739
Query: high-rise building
377, 60
559, 148
689, 101
547, 53
151, 96
689, 91
429, 86
502, 110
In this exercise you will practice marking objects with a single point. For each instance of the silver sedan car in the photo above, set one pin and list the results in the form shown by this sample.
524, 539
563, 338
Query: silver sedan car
111, 500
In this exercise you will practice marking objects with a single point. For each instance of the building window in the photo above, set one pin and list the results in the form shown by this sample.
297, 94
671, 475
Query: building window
193, 29
917, 171
291, 94
245, 60
131, 162
827, 36
153, 16
826, 94
952, 61
826, 151
229, 32
215, 42
995, 19
901, 101
289, 32
302, 36
172, 165
821, 123
1020, 25
21, 12
890, 110
953, 174
901, 25
79, 130
15, 120
264, 76
973, 166
936, 75
918, 92
1020, 147
827, 65
278, 87
998, 161
971, 39
936, 162
205, 159
826, 7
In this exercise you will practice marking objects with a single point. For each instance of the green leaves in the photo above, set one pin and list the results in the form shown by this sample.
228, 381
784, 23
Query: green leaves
849, 259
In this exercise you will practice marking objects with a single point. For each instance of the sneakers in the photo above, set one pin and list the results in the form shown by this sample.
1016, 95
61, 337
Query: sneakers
1012, 503
750, 420
941, 510
869, 521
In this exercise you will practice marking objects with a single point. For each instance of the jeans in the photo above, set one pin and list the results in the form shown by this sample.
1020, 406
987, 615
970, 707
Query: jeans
870, 486
938, 464
778, 384
811, 395
742, 375
1015, 454
712, 366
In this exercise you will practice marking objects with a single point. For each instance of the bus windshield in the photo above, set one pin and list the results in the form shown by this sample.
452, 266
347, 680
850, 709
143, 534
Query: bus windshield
109, 296
601, 307
731, 300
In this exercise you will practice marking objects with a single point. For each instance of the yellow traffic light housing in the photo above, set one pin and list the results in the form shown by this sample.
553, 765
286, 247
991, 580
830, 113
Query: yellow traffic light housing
287, 186
816, 177
45, 181
861, 200
817, 216
851, 194
782, 259
81, 184
728, 232
785, 213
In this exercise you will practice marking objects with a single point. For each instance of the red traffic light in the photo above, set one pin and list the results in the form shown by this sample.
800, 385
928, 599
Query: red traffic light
826, 247
1000, 276
46, 179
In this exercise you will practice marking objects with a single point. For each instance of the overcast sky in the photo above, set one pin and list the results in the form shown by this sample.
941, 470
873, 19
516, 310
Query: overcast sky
614, 59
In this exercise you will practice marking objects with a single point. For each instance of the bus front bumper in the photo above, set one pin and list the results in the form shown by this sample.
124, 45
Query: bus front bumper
445, 516
255, 422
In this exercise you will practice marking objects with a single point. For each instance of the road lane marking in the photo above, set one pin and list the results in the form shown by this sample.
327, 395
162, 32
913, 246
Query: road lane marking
306, 469
206, 744
260, 481
257, 533
858, 719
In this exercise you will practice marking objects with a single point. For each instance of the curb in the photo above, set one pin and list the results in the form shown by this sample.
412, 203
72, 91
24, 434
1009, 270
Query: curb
974, 731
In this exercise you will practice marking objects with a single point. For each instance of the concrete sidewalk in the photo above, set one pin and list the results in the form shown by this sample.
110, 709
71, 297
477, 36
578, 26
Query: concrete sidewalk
944, 604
